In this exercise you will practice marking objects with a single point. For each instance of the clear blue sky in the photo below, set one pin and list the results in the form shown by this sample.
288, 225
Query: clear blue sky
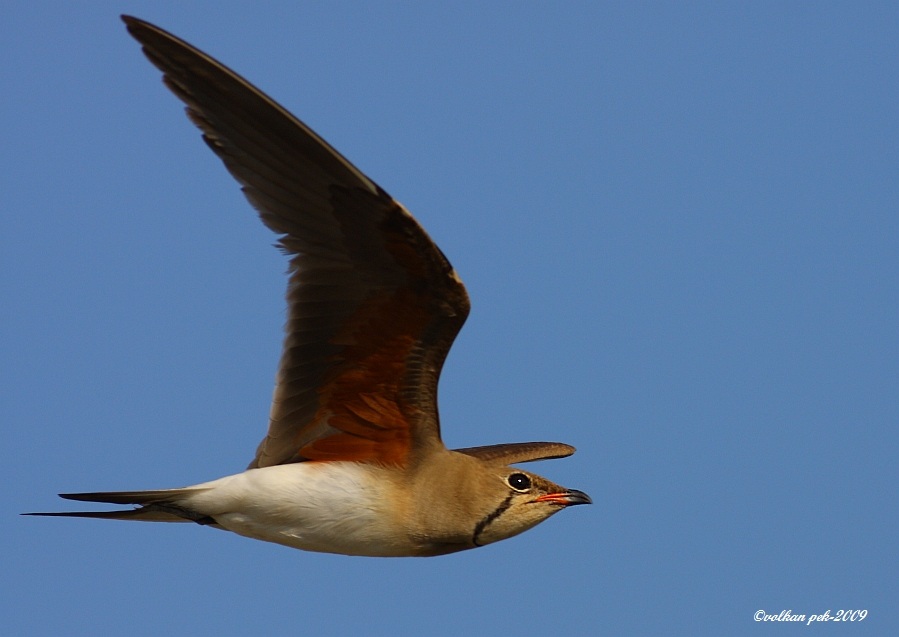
679, 226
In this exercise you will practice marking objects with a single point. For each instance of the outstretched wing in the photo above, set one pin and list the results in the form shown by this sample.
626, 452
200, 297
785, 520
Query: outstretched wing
374, 305
515, 452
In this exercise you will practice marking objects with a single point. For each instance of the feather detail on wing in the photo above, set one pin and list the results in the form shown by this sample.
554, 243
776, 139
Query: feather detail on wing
374, 305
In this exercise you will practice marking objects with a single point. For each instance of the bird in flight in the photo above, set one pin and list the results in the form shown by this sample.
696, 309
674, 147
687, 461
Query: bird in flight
352, 462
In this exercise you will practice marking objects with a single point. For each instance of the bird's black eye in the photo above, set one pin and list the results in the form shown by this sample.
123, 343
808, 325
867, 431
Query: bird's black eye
519, 482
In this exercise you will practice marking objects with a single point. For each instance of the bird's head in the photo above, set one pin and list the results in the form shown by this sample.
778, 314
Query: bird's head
524, 500
472, 497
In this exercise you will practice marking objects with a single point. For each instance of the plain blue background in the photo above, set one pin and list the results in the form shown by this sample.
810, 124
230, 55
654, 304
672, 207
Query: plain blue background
679, 226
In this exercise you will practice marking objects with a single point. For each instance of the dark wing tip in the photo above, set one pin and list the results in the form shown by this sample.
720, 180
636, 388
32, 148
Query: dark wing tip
135, 25
130, 20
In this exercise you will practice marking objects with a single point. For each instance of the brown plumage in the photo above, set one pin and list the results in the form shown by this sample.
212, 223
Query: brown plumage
353, 444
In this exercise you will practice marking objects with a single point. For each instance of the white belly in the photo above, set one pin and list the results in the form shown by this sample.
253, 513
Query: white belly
332, 507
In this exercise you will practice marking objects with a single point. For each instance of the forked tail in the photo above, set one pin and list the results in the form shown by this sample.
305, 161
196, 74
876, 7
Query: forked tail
155, 506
